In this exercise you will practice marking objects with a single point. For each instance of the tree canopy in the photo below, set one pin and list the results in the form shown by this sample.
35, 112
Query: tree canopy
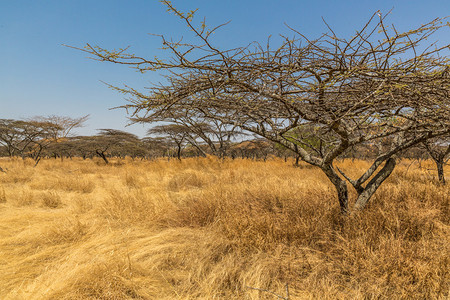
378, 86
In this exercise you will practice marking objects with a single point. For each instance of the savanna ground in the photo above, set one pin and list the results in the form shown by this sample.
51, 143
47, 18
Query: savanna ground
205, 228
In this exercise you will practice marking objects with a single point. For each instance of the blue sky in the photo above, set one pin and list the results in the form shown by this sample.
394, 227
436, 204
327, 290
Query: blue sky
39, 76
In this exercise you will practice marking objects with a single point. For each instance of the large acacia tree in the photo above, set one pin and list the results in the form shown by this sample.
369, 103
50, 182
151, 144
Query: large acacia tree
380, 85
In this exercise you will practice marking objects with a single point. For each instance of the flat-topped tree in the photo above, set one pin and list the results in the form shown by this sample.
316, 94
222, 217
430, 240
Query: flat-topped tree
108, 142
217, 135
114, 142
13, 136
26, 137
180, 135
59, 128
158, 146
63, 124
377, 85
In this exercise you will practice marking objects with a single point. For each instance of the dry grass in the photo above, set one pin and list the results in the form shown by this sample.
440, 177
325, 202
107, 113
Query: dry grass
204, 228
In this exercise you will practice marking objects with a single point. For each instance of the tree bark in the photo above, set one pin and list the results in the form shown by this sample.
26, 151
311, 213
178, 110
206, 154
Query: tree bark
366, 193
340, 185
179, 152
440, 169
439, 159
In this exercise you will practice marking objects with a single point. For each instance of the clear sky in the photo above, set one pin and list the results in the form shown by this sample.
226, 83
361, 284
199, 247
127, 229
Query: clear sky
39, 76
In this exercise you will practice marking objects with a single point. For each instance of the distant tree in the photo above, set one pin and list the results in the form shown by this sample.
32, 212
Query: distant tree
157, 146
178, 134
217, 135
256, 148
26, 138
121, 143
112, 141
63, 125
59, 129
16, 135
380, 84
42, 138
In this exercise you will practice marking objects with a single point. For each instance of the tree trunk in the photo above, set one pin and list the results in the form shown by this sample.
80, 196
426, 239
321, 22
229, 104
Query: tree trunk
102, 155
366, 193
37, 156
340, 185
179, 153
37, 160
440, 169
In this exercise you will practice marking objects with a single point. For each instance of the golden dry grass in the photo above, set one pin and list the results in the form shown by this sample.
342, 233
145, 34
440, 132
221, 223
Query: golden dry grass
204, 229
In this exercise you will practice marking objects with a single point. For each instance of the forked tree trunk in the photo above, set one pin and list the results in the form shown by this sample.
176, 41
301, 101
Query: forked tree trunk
439, 158
102, 155
364, 194
37, 156
340, 186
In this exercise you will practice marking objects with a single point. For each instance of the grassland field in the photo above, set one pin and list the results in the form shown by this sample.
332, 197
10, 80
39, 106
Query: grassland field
204, 228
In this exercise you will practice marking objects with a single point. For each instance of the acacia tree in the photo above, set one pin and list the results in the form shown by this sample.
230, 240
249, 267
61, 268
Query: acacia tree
11, 136
112, 141
17, 135
35, 135
217, 135
26, 137
255, 149
157, 146
41, 138
58, 128
63, 125
178, 134
378, 84
107, 143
